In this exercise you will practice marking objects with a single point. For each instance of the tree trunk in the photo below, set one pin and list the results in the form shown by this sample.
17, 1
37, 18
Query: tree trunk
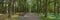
46, 7
11, 5
2, 7
55, 7
7, 8
25, 6
38, 6
14, 3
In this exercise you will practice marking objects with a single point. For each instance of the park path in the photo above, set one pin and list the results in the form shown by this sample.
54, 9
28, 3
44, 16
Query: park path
29, 16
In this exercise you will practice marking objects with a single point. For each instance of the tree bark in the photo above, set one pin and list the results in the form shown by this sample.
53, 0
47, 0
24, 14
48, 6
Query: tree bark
2, 7
7, 8
55, 7
11, 4
38, 6
14, 3
25, 6
46, 7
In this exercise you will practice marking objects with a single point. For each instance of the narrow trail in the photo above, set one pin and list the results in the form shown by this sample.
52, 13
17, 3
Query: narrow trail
29, 16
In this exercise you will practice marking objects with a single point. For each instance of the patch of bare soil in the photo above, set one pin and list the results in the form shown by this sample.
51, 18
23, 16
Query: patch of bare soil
2, 17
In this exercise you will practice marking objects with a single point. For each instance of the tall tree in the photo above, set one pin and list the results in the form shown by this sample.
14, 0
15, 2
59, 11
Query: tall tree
25, 6
57, 15
46, 7
14, 5
58, 3
38, 6
7, 8
2, 6
55, 2
11, 5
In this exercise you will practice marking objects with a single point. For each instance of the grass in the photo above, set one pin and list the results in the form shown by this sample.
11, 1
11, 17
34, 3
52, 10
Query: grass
49, 17
3, 17
41, 16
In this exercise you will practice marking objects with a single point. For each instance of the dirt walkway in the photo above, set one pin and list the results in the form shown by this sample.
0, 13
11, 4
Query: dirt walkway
29, 16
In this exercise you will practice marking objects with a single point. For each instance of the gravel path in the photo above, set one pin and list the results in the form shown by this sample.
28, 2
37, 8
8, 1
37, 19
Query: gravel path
29, 16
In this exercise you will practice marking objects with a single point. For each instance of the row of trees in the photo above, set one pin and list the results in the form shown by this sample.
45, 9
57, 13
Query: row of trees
39, 6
